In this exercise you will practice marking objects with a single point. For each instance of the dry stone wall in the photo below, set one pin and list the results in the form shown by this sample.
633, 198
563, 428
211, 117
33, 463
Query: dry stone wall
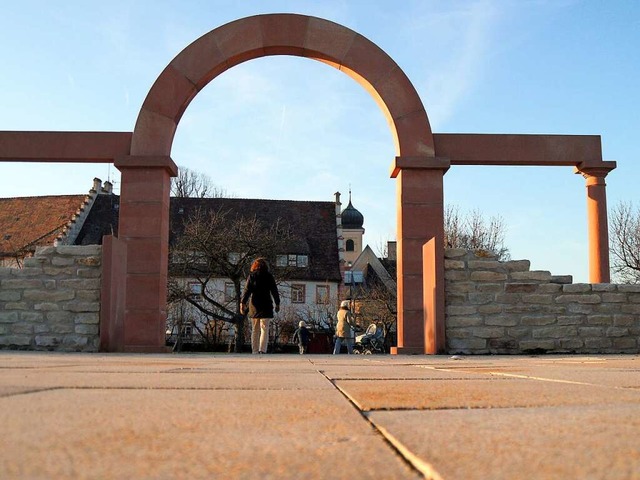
53, 303
505, 308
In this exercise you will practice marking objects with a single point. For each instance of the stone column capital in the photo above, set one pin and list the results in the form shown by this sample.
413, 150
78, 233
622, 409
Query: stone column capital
595, 174
419, 162
143, 161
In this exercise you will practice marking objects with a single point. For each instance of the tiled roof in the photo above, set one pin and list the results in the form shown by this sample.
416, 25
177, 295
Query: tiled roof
27, 222
314, 222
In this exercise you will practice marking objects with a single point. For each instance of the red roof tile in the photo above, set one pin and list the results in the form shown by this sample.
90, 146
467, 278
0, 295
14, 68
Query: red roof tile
26, 222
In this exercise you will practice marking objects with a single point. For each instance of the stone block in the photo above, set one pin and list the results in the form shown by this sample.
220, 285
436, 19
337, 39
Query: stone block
537, 298
580, 309
552, 309
41, 328
599, 320
34, 261
501, 321
456, 275
577, 288
461, 310
463, 321
520, 287
86, 329
571, 343
535, 275
62, 328
21, 328
503, 345
485, 265
79, 250
29, 316
89, 261
454, 298
82, 307
466, 344
62, 261
634, 298
519, 332
15, 340
455, 253
489, 309
59, 271
10, 295
597, 343
28, 272
555, 332
88, 295
629, 288
561, 279
488, 332
46, 306
624, 320
48, 340
8, 317
617, 332
20, 283
5, 271
458, 333
88, 272
517, 265
549, 288
615, 297
59, 316
577, 298
591, 331
45, 251
460, 287
88, 318
75, 340
484, 276
633, 309
454, 265
538, 320
604, 287
48, 295
527, 346
571, 319
625, 343
481, 298
16, 306
508, 298
520, 309
491, 287
49, 284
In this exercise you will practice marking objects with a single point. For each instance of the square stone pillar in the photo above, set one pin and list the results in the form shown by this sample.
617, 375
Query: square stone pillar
144, 226
420, 218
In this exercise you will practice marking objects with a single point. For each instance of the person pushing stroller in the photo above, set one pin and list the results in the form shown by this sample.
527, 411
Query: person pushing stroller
344, 328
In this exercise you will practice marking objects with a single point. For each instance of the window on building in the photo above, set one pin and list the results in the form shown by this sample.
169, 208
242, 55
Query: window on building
281, 261
298, 293
350, 246
322, 294
234, 258
195, 290
187, 331
292, 260
303, 261
229, 291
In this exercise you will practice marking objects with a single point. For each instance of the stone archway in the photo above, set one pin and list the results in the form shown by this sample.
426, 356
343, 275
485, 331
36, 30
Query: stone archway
134, 278
147, 170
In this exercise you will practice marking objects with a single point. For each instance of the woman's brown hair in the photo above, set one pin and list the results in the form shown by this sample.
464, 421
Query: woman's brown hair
259, 264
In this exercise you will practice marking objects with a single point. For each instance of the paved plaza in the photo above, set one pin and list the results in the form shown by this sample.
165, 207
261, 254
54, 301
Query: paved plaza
319, 416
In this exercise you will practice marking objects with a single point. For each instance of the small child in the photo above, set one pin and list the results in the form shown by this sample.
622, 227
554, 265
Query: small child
302, 337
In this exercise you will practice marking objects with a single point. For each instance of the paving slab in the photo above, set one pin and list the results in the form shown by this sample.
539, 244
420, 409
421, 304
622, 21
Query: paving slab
563, 443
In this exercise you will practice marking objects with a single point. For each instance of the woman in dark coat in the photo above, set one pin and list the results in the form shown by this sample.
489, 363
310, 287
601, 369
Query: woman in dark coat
260, 288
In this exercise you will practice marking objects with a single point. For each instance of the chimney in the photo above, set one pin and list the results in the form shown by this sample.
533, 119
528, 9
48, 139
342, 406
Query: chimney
391, 250
97, 184
107, 188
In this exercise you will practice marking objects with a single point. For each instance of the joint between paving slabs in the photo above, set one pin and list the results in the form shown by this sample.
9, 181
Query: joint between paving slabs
412, 461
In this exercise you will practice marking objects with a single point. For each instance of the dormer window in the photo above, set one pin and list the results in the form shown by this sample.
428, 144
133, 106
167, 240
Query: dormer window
292, 260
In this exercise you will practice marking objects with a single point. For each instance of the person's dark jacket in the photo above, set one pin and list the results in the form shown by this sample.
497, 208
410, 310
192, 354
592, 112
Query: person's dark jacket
259, 289
302, 336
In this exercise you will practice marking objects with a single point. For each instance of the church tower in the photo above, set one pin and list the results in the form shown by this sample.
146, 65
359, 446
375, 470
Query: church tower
352, 231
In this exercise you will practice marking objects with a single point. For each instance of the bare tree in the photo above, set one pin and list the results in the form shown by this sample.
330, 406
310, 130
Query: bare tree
193, 184
472, 232
220, 246
625, 242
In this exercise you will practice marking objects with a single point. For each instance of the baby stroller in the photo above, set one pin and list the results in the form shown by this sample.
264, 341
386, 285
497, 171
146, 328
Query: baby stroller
371, 341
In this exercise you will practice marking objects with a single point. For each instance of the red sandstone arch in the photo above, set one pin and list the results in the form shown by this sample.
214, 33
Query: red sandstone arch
146, 171
134, 277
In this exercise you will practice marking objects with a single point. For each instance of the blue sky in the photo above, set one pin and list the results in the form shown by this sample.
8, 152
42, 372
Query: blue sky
292, 128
